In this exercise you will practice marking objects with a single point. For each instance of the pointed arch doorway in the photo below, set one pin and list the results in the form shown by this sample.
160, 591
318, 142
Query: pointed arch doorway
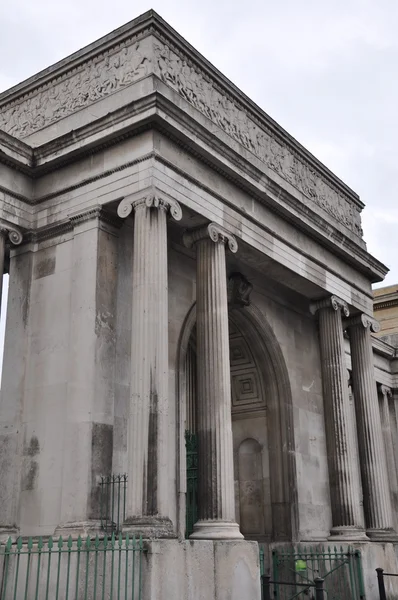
262, 426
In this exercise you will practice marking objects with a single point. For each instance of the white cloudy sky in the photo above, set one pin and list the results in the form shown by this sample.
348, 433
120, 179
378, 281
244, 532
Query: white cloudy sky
325, 70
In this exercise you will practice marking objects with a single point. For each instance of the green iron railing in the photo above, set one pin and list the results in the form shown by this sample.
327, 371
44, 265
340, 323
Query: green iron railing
191, 445
113, 490
340, 568
92, 569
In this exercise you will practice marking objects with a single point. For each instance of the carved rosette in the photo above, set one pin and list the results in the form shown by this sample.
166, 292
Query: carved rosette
365, 321
13, 233
330, 302
129, 204
216, 233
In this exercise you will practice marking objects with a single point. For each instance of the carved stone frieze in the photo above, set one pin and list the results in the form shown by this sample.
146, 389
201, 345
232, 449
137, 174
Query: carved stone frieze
202, 93
121, 66
100, 77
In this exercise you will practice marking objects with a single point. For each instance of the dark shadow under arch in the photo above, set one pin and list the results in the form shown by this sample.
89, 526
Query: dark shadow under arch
257, 331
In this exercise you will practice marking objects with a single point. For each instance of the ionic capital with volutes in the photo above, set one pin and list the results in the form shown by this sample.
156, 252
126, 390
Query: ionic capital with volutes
216, 233
385, 391
13, 233
362, 320
131, 203
333, 302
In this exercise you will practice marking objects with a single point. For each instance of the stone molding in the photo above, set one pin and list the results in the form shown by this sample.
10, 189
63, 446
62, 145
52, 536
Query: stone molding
114, 68
330, 302
14, 234
94, 212
215, 232
363, 320
128, 204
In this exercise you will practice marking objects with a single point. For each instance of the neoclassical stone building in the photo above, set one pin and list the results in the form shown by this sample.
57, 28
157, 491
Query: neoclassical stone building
179, 263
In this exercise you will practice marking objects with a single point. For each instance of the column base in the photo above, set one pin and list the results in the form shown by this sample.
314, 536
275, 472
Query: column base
82, 528
150, 528
347, 534
382, 535
216, 530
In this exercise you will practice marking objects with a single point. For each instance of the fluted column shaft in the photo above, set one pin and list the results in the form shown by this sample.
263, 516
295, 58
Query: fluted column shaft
376, 495
347, 517
389, 431
148, 469
214, 423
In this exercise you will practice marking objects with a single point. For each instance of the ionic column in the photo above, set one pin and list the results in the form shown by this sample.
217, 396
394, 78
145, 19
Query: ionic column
376, 495
345, 495
148, 468
389, 431
15, 237
214, 426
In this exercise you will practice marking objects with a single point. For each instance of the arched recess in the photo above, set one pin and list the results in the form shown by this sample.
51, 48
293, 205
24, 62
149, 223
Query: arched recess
261, 338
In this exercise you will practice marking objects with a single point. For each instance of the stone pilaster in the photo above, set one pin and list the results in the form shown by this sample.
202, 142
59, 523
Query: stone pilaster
376, 495
389, 432
15, 237
214, 427
148, 474
345, 496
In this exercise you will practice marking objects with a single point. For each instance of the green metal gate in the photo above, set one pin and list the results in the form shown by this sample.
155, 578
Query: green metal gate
340, 568
191, 445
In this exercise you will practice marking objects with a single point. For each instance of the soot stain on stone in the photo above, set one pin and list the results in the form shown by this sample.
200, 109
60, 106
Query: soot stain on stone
101, 462
30, 474
34, 447
152, 480
44, 267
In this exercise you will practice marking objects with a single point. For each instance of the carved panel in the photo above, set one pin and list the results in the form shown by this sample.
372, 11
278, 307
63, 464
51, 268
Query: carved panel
246, 390
96, 79
113, 70
239, 354
203, 93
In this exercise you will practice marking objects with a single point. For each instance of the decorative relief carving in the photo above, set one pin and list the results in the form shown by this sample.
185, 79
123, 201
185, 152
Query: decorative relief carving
14, 235
386, 392
97, 78
202, 93
119, 67
215, 232
128, 204
239, 290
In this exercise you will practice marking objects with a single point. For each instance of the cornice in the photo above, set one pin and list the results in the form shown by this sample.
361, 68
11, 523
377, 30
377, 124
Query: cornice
68, 225
97, 73
384, 302
383, 348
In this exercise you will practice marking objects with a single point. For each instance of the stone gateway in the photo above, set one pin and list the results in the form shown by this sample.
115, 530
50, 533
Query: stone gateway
189, 305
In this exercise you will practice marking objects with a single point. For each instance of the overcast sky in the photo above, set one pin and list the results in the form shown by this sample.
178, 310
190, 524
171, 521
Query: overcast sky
324, 70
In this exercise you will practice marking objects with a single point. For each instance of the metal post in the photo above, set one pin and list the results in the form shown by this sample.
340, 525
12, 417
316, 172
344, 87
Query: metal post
380, 580
266, 587
319, 589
